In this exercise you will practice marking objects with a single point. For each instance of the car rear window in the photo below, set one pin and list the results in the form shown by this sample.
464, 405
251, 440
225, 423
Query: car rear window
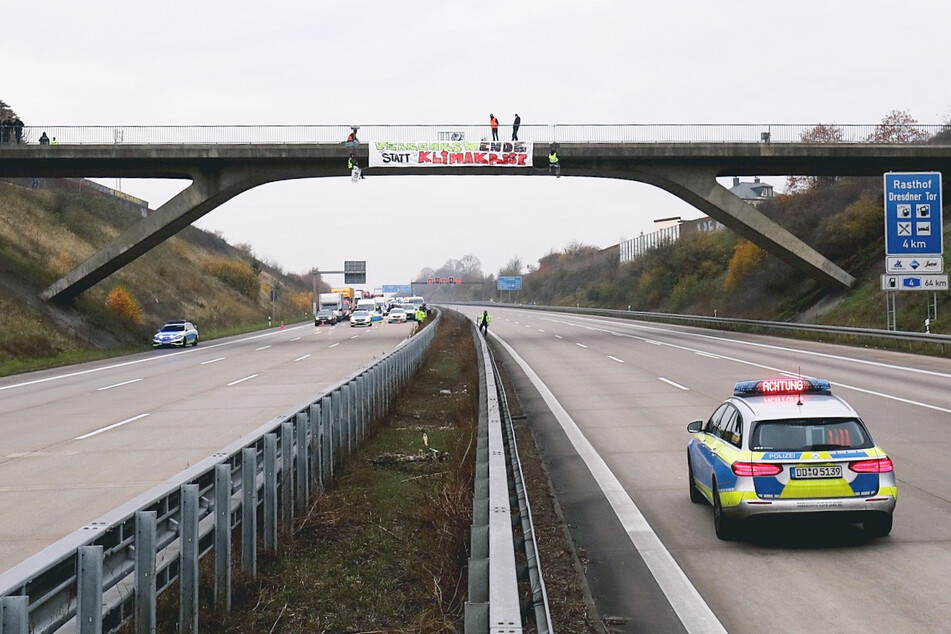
810, 434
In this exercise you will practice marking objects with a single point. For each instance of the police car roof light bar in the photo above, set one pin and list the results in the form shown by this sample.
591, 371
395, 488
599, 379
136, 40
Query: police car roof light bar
782, 386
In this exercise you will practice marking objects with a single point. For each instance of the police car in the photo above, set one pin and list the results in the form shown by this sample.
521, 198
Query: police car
789, 445
177, 332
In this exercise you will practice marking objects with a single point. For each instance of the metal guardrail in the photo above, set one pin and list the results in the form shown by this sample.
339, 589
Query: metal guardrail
496, 564
749, 324
111, 571
449, 132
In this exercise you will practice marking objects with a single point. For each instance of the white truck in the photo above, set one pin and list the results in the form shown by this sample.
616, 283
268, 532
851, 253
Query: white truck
332, 301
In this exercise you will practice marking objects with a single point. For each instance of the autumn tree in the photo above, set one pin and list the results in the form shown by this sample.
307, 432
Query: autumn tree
898, 126
513, 267
821, 134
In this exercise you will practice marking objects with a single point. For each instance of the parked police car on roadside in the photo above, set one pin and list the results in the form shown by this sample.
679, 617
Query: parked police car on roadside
789, 446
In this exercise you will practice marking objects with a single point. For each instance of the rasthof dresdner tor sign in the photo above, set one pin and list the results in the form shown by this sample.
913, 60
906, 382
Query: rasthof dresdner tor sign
913, 227
451, 154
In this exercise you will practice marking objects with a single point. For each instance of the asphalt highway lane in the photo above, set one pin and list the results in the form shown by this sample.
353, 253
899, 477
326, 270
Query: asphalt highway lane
631, 388
77, 442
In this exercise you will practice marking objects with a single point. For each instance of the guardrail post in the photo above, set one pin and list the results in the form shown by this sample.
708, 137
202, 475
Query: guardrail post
270, 491
287, 475
15, 615
145, 571
313, 413
362, 407
346, 418
188, 579
328, 416
303, 464
223, 538
89, 590
249, 507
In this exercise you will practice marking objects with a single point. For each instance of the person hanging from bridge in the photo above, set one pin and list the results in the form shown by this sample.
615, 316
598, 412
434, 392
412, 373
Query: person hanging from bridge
515, 124
554, 167
484, 320
495, 127
355, 172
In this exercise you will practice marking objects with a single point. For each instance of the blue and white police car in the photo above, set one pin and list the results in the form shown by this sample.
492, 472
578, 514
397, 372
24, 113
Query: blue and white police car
177, 332
788, 445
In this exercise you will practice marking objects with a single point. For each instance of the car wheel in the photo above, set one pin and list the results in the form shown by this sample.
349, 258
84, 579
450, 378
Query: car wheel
695, 495
878, 524
195, 343
725, 527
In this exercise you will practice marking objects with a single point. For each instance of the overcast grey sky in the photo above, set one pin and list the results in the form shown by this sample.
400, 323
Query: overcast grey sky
281, 62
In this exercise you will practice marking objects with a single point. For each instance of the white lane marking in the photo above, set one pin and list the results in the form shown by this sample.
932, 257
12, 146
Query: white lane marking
109, 387
242, 380
334, 345
108, 427
527, 326
558, 337
302, 358
676, 385
261, 348
295, 338
354, 336
204, 348
706, 354
690, 607
937, 408
581, 345
213, 361
540, 330
652, 342
42, 454
615, 359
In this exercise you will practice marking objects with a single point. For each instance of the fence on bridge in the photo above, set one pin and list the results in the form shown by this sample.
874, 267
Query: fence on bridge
468, 132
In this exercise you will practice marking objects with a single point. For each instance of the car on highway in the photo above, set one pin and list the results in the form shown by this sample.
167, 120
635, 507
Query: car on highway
789, 446
397, 315
325, 316
177, 332
360, 318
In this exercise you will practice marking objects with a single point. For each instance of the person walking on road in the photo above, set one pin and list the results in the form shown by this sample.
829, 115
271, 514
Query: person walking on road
484, 320
495, 127
515, 124
355, 172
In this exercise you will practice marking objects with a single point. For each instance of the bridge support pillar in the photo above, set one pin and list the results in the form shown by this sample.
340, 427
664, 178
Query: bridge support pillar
207, 191
700, 188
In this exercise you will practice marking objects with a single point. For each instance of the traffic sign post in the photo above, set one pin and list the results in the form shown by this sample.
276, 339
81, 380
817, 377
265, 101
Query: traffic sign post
931, 283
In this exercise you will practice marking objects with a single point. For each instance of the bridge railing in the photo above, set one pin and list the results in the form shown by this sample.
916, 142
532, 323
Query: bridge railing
537, 133
111, 571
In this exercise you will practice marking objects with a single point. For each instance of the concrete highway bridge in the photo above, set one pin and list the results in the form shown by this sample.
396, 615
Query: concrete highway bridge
685, 160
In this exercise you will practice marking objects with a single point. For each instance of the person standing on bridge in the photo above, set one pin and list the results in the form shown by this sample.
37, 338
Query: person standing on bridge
484, 320
515, 124
495, 127
554, 167
44, 140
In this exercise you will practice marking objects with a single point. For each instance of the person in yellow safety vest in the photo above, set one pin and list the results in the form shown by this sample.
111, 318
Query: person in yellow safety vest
484, 320
554, 167
420, 315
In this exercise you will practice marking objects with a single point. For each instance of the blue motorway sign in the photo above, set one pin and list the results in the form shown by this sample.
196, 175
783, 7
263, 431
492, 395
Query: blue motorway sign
510, 283
398, 288
913, 224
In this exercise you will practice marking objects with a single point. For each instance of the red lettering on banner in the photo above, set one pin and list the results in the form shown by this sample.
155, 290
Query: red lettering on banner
455, 157
468, 158
522, 159
480, 158
494, 159
424, 157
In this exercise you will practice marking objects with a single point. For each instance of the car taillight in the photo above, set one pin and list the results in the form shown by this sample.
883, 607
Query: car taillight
876, 465
756, 468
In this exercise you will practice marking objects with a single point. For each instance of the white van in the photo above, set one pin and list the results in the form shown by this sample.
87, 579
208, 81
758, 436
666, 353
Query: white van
368, 305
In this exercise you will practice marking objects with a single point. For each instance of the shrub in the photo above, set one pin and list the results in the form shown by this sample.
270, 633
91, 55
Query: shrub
121, 304
746, 257
60, 264
235, 274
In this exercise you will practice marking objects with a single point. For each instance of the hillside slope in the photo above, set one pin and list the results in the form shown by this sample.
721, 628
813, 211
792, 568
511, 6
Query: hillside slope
46, 231
720, 273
